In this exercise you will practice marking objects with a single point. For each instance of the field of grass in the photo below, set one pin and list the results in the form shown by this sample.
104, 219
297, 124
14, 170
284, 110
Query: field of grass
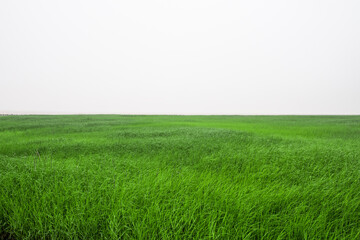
179, 177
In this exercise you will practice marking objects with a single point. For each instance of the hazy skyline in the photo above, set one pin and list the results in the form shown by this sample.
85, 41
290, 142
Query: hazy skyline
180, 57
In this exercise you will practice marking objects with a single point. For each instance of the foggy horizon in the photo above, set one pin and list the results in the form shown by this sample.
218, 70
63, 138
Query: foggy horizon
180, 57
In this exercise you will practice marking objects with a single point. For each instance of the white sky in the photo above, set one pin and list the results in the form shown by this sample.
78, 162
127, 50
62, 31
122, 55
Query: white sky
180, 57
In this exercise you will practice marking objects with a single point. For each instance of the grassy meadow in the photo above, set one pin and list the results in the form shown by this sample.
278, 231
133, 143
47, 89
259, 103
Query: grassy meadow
179, 177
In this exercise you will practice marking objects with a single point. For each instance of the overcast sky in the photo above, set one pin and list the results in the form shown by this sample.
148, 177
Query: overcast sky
180, 57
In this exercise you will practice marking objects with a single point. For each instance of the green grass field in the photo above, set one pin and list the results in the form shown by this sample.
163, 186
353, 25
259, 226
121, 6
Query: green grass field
179, 177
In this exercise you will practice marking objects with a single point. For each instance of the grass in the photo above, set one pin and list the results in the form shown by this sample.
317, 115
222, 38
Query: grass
179, 177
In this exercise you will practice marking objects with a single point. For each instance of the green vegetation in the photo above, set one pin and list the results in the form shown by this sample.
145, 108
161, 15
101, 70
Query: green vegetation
179, 177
